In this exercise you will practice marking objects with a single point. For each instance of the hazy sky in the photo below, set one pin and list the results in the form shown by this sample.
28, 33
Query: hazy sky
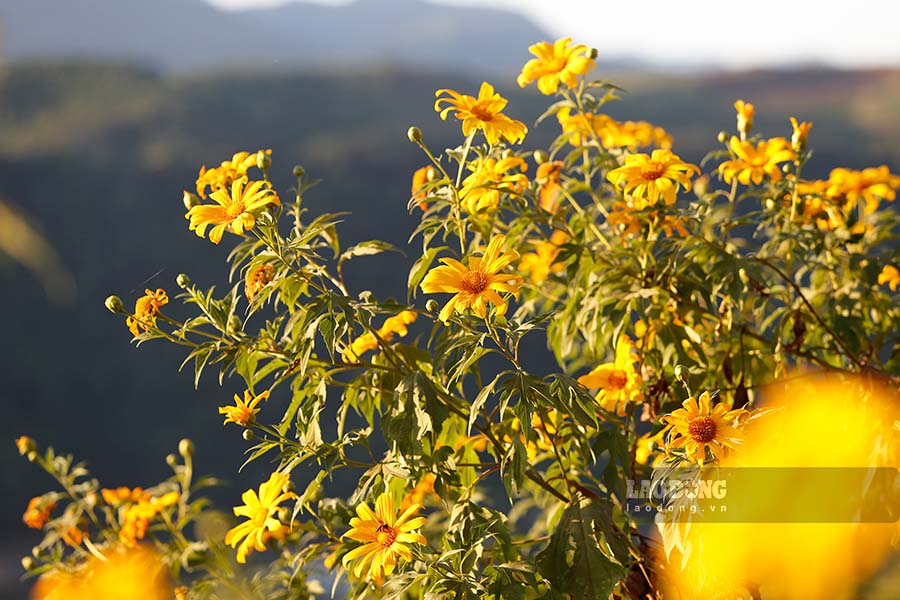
731, 33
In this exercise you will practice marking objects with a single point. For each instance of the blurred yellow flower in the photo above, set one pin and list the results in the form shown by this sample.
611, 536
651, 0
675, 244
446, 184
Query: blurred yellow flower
871, 185
549, 176
649, 178
417, 495
482, 188
260, 511
476, 284
38, 512
256, 279
745, 113
556, 63
146, 309
633, 135
396, 325
647, 448
120, 495
800, 134
24, 445
243, 411
618, 382
889, 275
136, 517
698, 426
181, 592
754, 162
629, 220
483, 112
221, 177
419, 179
235, 211
385, 536
539, 264
579, 127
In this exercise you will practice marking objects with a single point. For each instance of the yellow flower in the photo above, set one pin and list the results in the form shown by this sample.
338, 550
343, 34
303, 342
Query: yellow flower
24, 445
481, 189
889, 275
801, 132
483, 112
745, 113
871, 185
395, 325
136, 517
580, 128
38, 512
698, 426
420, 178
629, 220
256, 279
181, 592
618, 382
476, 284
260, 510
422, 490
123, 574
120, 495
651, 177
540, 263
549, 176
633, 135
146, 308
221, 177
385, 536
555, 63
647, 448
235, 212
243, 411
754, 162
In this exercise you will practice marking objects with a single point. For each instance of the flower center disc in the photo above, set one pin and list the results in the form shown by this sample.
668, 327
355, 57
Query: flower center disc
475, 282
618, 379
702, 429
234, 209
482, 113
652, 170
385, 535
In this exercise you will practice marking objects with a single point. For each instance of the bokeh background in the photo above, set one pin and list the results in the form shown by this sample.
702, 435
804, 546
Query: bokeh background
109, 107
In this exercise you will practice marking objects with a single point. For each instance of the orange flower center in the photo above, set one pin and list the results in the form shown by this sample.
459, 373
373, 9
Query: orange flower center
557, 64
618, 379
385, 535
234, 210
702, 429
474, 282
482, 113
652, 170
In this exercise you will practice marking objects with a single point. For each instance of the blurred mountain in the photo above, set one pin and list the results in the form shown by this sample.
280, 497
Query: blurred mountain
184, 35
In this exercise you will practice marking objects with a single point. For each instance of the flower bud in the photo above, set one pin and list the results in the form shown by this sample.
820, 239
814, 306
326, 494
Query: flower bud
25, 445
299, 171
183, 281
263, 160
540, 157
770, 203
284, 515
742, 274
234, 324
186, 447
27, 563
288, 488
32, 456
114, 305
36, 551
190, 200
681, 372
367, 296
414, 134
248, 435
722, 137
171, 460
432, 305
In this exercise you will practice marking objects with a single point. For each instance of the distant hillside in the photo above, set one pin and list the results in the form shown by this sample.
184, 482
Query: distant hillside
185, 35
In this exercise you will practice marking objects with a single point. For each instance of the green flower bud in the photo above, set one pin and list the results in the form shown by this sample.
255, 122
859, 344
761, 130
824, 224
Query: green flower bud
234, 324
540, 157
183, 281
592, 53
190, 200
288, 488
722, 137
284, 515
414, 134
742, 274
171, 460
367, 296
27, 563
263, 160
299, 171
248, 434
32, 456
432, 305
36, 551
186, 447
681, 372
114, 305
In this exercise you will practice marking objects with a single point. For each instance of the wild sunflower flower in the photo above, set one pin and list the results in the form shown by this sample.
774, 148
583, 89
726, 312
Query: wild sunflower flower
618, 382
540, 263
483, 112
549, 176
235, 211
260, 509
891, 276
475, 284
243, 411
136, 517
146, 309
385, 536
633, 135
629, 220
396, 325
38, 512
799, 135
698, 426
417, 495
649, 178
753, 162
557, 63
482, 188
745, 114
221, 177
25, 444
870, 185
419, 179
256, 279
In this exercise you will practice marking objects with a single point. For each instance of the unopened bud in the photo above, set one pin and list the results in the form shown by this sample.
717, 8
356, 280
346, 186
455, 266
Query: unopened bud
114, 304
366, 296
36, 551
248, 434
414, 134
284, 515
770, 203
722, 137
288, 488
742, 274
299, 171
786, 168
592, 53
190, 200
263, 160
27, 563
32, 456
183, 281
171, 460
25, 445
540, 157
186, 447
681, 372
234, 324
432, 305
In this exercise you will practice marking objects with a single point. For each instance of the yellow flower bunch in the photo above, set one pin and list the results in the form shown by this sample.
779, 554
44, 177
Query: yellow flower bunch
870, 185
489, 178
558, 63
229, 171
393, 326
539, 264
651, 178
483, 113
